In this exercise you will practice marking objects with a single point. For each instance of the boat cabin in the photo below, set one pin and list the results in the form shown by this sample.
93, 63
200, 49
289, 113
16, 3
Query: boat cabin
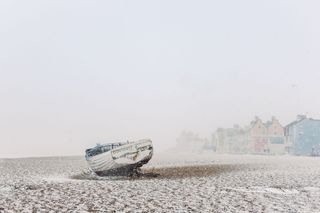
101, 148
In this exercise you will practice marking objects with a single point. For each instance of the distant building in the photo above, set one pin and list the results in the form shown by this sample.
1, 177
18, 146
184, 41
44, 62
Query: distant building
189, 141
303, 136
231, 140
266, 138
258, 138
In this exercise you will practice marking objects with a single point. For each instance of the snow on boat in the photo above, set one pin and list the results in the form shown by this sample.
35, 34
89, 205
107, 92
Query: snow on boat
119, 158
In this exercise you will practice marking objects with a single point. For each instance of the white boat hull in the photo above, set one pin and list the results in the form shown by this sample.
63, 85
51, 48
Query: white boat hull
122, 160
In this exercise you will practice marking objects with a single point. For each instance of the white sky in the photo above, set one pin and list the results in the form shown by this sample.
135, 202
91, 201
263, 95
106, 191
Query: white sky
74, 73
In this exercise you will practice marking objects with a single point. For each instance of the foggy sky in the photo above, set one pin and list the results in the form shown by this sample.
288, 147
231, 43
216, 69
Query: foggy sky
74, 73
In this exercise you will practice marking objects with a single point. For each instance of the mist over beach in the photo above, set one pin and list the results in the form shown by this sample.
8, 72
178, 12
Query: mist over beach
168, 106
77, 73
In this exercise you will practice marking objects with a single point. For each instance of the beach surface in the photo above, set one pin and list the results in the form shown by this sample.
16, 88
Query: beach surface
187, 182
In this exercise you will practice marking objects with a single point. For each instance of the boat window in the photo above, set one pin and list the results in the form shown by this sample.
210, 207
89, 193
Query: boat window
101, 149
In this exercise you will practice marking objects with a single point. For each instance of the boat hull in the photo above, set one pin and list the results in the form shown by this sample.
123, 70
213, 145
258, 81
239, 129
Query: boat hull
123, 160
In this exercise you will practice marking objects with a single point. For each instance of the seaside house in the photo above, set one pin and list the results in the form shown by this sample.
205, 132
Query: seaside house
303, 136
267, 138
276, 137
258, 138
231, 140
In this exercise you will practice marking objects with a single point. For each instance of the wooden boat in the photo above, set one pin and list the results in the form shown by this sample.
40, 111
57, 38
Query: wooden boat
119, 158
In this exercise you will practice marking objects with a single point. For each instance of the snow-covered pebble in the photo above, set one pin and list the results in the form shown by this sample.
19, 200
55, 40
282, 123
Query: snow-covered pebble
187, 183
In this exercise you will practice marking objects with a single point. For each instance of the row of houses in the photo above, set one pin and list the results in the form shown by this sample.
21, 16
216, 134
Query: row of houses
300, 137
